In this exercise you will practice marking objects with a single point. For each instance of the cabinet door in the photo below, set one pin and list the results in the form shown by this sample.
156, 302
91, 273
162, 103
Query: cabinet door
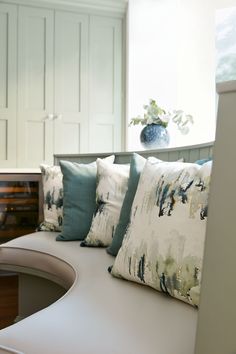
105, 84
71, 97
35, 89
8, 32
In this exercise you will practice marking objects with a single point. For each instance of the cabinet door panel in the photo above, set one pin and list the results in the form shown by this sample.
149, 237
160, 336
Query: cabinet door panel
71, 47
3, 139
35, 64
102, 138
35, 136
35, 95
8, 32
105, 84
3, 57
70, 139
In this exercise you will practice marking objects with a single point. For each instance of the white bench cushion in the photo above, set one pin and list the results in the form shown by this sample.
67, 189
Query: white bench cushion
99, 314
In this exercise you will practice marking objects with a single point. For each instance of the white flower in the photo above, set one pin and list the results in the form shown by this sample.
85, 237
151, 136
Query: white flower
149, 120
156, 115
165, 117
184, 130
182, 120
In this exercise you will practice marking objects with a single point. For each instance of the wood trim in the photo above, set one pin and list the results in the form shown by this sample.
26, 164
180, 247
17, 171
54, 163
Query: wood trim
20, 177
41, 199
16, 232
17, 201
8, 299
16, 190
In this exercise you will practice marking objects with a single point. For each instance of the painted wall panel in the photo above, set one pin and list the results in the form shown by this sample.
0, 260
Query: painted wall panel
3, 139
35, 83
35, 54
105, 84
102, 138
71, 82
35, 137
8, 84
69, 64
102, 69
71, 133
3, 59
68, 84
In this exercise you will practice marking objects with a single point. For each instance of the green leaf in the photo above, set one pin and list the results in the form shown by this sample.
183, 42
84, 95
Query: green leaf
153, 114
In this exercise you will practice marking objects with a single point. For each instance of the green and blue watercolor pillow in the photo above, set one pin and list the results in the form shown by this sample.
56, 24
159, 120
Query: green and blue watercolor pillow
164, 242
136, 166
53, 198
79, 185
111, 188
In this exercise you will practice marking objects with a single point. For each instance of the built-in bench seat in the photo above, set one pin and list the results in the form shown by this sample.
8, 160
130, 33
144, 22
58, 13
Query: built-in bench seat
94, 313
98, 314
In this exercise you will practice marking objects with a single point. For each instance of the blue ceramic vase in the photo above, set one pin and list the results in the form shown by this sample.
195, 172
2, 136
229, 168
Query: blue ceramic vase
154, 136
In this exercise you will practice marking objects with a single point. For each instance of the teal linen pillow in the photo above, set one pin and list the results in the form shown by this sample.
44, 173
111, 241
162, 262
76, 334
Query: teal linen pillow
203, 161
136, 166
79, 200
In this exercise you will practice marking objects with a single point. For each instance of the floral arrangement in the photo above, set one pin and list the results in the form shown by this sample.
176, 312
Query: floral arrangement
157, 115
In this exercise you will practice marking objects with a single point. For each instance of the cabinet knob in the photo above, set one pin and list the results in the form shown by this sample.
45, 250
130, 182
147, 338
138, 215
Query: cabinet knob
48, 117
58, 116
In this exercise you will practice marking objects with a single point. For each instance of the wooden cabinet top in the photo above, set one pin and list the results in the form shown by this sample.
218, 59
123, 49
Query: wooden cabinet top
20, 171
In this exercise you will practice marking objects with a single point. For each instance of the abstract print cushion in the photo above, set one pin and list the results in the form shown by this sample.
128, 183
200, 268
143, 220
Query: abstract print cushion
79, 185
163, 246
110, 193
137, 164
53, 198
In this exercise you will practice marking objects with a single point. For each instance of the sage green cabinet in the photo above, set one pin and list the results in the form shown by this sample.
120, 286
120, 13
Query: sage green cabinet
8, 87
35, 86
60, 84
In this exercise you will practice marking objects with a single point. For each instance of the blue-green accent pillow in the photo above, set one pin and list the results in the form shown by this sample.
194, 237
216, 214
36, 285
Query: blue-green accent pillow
202, 161
136, 166
79, 200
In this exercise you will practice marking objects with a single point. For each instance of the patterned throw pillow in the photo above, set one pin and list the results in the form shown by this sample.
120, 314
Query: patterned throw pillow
53, 198
164, 243
137, 164
110, 193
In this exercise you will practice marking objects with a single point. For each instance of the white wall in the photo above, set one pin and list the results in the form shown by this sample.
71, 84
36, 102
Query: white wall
196, 68
172, 59
152, 73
